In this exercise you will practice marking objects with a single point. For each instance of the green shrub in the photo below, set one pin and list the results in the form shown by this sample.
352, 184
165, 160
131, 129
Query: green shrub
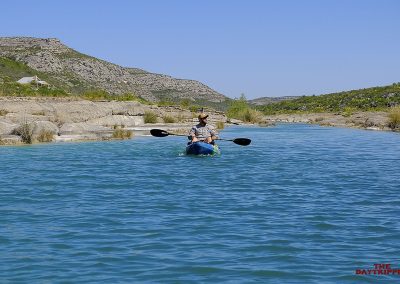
150, 117
166, 102
394, 118
96, 95
185, 103
129, 97
240, 109
220, 125
370, 99
348, 111
169, 119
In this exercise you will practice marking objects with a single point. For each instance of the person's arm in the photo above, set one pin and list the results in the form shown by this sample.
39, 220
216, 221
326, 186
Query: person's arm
193, 134
213, 133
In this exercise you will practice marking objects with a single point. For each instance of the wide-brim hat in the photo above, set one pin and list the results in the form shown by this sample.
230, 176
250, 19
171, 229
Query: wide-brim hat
202, 115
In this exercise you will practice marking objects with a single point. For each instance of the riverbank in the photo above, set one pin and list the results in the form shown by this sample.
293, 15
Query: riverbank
74, 119
360, 120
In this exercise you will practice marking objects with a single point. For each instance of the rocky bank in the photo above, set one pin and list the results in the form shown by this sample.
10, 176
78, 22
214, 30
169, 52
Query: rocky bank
73, 119
362, 120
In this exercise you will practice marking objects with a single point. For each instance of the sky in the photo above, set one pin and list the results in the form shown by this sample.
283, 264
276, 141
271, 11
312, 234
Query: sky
257, 48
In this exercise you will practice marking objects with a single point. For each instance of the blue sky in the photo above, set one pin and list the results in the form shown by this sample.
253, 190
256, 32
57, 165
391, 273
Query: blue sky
259, 48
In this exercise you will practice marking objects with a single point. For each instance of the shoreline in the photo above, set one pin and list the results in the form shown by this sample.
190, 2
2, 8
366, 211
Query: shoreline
66, 119
377, 121
77, 120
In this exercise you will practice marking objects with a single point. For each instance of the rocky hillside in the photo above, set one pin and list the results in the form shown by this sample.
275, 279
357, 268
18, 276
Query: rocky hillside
77, 73
270, 100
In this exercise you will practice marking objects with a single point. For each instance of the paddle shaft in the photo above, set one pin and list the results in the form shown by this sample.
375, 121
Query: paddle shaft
163, 133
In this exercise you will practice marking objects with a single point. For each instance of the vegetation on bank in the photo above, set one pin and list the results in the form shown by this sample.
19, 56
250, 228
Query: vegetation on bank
394, 118
12, 70
25, 130
370, 99
150, 117
240, 109
121, 133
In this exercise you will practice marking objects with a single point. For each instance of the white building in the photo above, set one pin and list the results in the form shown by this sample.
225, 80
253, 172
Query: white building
34, 79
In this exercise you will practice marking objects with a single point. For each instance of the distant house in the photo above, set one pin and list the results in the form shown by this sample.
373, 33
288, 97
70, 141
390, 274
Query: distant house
34, 79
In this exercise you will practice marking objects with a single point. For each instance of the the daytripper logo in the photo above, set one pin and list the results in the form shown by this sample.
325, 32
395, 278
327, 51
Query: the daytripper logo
379, 269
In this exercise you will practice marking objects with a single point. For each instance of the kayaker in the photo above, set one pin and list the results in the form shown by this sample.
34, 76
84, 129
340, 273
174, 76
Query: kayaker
202, 131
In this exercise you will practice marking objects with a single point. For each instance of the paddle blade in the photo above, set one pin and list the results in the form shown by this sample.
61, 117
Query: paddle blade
242, 141
159, 132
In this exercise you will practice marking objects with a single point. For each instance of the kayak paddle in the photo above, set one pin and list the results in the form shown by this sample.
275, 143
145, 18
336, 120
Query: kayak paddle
164, 133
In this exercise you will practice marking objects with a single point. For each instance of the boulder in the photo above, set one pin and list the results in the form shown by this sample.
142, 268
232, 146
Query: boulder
7, 127
82, 128
112, 120
41, 126
10, 140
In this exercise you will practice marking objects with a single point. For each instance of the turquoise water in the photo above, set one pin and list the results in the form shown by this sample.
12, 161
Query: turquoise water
301, 204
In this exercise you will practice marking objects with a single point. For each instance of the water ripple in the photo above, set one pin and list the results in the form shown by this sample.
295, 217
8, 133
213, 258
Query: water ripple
301, 204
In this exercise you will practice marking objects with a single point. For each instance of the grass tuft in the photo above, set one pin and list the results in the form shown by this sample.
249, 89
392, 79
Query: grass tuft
220, 125
169, 119
150, 117
45, 136
394, 118
120, 133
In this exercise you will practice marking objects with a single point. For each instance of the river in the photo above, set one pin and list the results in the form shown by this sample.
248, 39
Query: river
301, 204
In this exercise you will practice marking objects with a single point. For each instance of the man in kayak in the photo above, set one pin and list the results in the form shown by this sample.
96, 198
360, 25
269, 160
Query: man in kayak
202, 131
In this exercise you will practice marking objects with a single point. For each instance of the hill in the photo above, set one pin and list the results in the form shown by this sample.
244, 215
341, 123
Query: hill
369, 99
77, 73
270, 100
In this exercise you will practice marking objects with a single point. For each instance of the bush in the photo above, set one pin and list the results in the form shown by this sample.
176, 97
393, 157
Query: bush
150, 117
240, 109
169, 119
96, 95
394, 118
348, 111
120, 133
370, 99
25, 130
185, 103
45, 136
220, 125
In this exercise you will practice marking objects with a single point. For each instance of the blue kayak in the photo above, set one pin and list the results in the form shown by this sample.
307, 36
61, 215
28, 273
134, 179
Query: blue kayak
201, 148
